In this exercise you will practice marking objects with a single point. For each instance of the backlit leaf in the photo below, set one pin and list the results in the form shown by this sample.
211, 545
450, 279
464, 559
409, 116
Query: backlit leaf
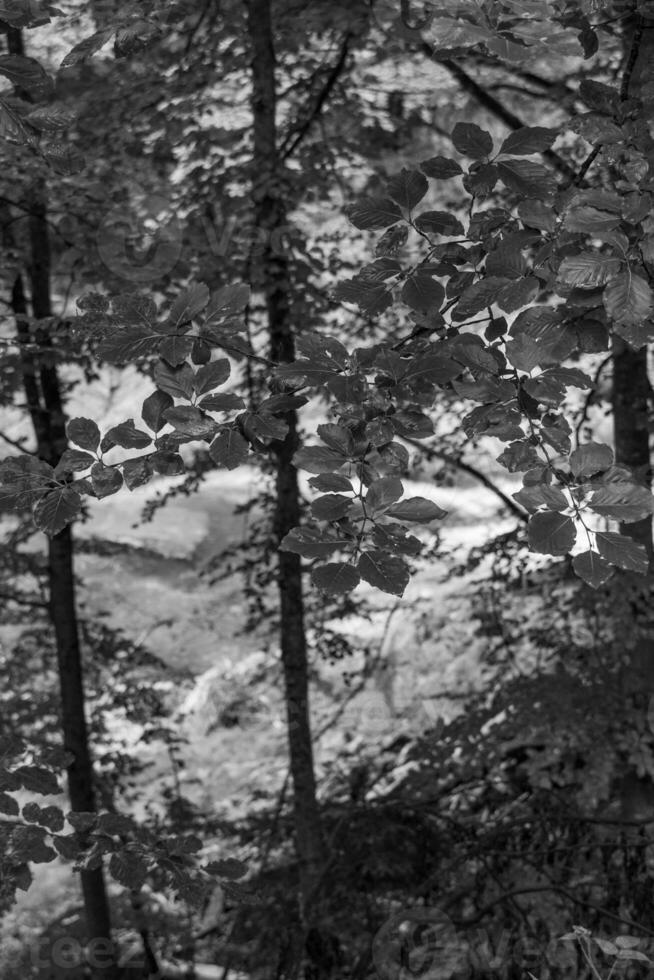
335, 578
472, 141
407, 188
57, 509
551, 534
373, 213
229, 449
383, 571
620, 550
592, 568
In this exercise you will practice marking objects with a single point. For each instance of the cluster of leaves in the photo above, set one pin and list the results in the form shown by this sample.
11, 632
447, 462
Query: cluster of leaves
576, 259
549, 274
34, 115
367, 526
38, 834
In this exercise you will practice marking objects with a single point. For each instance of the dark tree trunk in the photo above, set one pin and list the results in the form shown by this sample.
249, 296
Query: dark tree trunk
45, 406
631, 403
274, 278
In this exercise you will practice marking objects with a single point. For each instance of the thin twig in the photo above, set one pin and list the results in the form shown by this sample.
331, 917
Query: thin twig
460, 464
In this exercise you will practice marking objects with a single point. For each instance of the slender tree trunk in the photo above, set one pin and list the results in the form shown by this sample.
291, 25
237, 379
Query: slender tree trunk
45, 405
631, 403
274, 273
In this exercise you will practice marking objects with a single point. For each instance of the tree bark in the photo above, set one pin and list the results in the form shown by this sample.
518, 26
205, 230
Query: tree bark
275, 283
45, 405
631, 404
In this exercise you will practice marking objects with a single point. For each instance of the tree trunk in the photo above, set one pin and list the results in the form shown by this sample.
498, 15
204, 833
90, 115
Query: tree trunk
631, 403
275, 283
44, 403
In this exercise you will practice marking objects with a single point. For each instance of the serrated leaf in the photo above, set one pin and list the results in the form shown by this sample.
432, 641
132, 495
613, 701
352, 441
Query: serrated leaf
125, 344
514, 295
128, 436
315, 459
588, 270
337, 437
392, 240
591, 458
153, 409
395, 538
416, 510
331, 507
373, 213
407, 188
190, 421
176, 349
622, 551
385, 572
535, 214
382, 493
478, 296
335, 578
128, 869
312, 542
136, 472
27, 74
371, 298
84, 433
264, 426
88, 47
527, 178
167, 463
592, 568
223, 402
229, 449
228, 302
624, 502
212, 375
57, 509
439, 223
178, 382
73, 461
628, 298
506, 260
188, 305
528, 139
106, 480
541, 495
324, 348
551, 534
590, 220
422, 293
442, 168
472, 141
331, 483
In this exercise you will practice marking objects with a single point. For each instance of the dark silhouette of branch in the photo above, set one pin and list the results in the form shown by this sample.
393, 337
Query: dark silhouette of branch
460, 464
632, 59
16, 443
488, 101
291, 142
472, 920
